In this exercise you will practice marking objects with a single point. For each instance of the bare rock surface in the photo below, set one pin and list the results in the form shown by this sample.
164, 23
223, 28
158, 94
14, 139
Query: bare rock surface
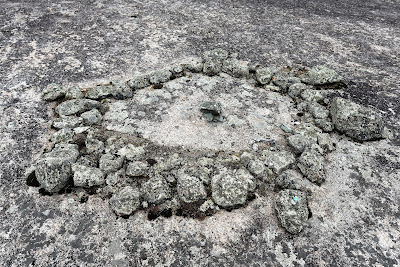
354, 212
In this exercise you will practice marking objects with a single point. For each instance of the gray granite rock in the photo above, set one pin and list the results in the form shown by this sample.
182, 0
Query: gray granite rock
121, 89
92, 117
296, 89
358, 122
321, 75
126, 201
291, 179
312, 164
73, 93
312, 95
278, 161
284, 80
236, 68
63, 136
53, 173
139, 81
264, 75
190, 189
257, 168
325, 124
160, 76
292, 210
67, 122
110, 163
318, 111
86, 177
94, 142
300, 142
66, 151
76, 106
213, 61
99, 92
137, 168
326, 143
156, 190
52, 92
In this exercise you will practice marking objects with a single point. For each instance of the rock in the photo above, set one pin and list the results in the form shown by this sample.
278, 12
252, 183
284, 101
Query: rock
300, 142
358, 122
76, 106
52, 92
121, 90
68, 152
85, 176
258, 169
216, 55
92, 117
278, 161
312, 164
53, 173
30, 176
318, 111
325, 142
156, 190
213, 61
321, 75
74, 93
208, 206
296, 89
292, 210
264, 75
126, 201
81, 195
110, 163
284, 80
309, 130
273, 88
193, 65
312, 95
115, 178
229, 190
176, 70
131, 152
212, 111
291, 179
236, 68
139, 81
63, 136
160, 76
325, 124
94, 142
137, 168
99, 92
190, 189
67, 122
90, 160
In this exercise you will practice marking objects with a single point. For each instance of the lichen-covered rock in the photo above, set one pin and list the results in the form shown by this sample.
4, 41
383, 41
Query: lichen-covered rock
156, 190
321, 75
309, 130
85, 176
193, 65
236, 68
279, 160
284, 80
120, 89
325, 142
318, 111
65, 151
292, 210
114, 178
296, 89
131, 152
52, 92
177, 71
76, 106
126, 201
74, 93
63, 136
300, 142
67, 122
110, 163
358, 122
216, 54
53, 173
291, 179
208, 206
258, 169
190, 189
94, 142
213, 61
229, 190
139, 81
160, 76
137, 168
99, 92
312, 164
325, 124
92, 117
312, 95
264, 75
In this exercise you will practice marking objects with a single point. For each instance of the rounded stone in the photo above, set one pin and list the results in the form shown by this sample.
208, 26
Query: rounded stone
110, 163
156, 190
190, 189
53, 173
126, 201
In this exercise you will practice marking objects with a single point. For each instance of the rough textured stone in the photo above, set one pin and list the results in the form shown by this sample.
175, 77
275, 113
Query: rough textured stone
131, 152
94, 142
284, 80
258, 169
74, 93
67, 122
300, 142
309, 130
139, 81
160, 76
76, 106
69, 152
296, 89
156, 190
92, 117
320, 75
214, 60
85, 176
110, 163
193, 65
325, 142
126, 201
312, 164
264, 75
53, 173
62, 136
292, 210
279, 160
356, 121
190, 189
137, 168
312, 95
291, 179
318, 111
52, 92
99, 92
325, 124
236, 68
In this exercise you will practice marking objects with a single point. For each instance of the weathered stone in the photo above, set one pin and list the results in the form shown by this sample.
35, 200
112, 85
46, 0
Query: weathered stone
137, 168
139, 81
63, 136
325, 124
126, 201
92, 117
76, 106
318, 111
131, 152
156, 190
208, 206
67, 122
93, 142
236, 68
264, 75
273, 88
190, 189
300, 142
213, 61
53, 173
284, 80
291, 179
193, 65
296, 89
160, 76
325, 142
312, 95
52, 92
229, 190
74, 93
65, 151
212, 111
358, 122
278, 161
309, 130
216, 55
121, 90
177, 71
258, 169
292, 210
321, 75
115, 178
99, 92
90, 160
110, 163
312, 165
85, 176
